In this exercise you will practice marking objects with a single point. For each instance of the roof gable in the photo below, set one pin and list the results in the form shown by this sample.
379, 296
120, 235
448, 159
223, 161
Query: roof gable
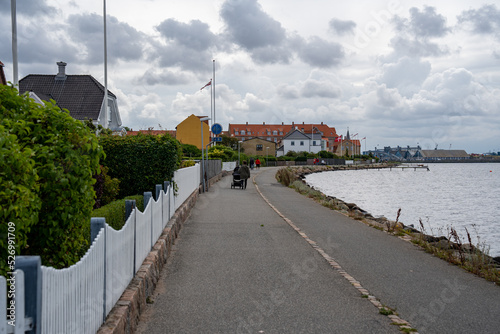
82, 95
296, 134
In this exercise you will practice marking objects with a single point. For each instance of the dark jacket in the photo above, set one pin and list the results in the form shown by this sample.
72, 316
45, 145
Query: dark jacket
244, 172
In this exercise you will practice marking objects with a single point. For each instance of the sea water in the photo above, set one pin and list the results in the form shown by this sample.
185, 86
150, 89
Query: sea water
450, 195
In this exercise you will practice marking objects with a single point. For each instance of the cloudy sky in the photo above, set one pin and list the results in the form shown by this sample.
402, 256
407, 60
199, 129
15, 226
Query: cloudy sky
395, 72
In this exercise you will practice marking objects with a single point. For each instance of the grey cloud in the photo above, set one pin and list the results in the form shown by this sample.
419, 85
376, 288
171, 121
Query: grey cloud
176, 55
287, 92
28, 8
427, 23
271, 55
315, 88
166, 77
124, 41
407, 74
195, 35
321, 53
341, 27
249, 26
485, 20
414, 34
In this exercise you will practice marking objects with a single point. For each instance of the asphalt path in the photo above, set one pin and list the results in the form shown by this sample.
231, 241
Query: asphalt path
239, 267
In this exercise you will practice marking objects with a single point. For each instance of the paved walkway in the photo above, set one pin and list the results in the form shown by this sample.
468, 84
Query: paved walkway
242, 266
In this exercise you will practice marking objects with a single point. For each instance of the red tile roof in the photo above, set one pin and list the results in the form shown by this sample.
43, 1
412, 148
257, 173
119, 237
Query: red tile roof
262, 129
152, 132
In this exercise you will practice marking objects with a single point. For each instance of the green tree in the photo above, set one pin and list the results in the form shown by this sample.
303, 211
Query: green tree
230, 142
189, 150
64, 155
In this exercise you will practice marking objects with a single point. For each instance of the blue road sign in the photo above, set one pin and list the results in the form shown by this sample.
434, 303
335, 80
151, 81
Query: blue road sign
216, 129
217, 139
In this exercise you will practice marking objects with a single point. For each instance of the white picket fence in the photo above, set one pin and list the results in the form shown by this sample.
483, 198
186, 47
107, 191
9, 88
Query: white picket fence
78, 299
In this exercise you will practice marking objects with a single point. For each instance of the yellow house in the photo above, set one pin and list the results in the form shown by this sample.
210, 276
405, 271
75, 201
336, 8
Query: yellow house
189, 131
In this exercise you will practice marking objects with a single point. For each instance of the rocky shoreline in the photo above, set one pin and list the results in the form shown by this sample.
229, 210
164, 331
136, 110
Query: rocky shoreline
459, 250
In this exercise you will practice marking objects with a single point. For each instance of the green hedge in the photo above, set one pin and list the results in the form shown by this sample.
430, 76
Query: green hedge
141, 162
114, 212
55, 156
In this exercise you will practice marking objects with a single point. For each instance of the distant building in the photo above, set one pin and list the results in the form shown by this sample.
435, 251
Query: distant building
298, 141
82, 95
436, 155
408, 153
259, 147
276, 132
346, 146
3, 80
189, 131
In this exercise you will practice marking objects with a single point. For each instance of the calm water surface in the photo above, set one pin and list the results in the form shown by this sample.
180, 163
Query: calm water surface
449, 195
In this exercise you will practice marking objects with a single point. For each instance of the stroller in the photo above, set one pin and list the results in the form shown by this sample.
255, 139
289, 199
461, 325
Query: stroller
237, 181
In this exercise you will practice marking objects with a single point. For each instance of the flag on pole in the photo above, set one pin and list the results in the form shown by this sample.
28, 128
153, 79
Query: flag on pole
208, 84
339, 138
363, 138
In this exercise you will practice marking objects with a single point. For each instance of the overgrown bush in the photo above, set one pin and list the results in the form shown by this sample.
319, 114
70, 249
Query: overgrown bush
141, 162
64, 155
285, 176
189, 150
19, 202
106, 188
114, 212
222, 152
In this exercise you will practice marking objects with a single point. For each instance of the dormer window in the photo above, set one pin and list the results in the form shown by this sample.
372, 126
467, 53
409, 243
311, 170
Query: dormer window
242, 132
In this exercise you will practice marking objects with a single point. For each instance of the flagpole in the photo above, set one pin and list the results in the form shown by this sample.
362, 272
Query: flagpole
213, 84
105, 72
14, 41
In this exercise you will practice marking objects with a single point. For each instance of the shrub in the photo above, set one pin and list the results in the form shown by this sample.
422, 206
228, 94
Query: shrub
65, 155
189, 150
19, 202
114, 212
106, 188
141, 162
221, 152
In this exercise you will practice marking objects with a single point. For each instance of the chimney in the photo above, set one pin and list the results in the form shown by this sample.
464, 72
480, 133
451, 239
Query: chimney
282, 123
263, 123
321, 123
247, 123
62, 71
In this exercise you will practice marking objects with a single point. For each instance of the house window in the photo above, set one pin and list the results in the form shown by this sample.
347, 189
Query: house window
268, 132
275, 140
236, 132
292, 143
275, 133
301, 143
242, 132
258, 147
269, 138
314, 142
281, 133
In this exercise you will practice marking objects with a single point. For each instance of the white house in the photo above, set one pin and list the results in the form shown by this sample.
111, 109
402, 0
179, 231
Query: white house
298, 141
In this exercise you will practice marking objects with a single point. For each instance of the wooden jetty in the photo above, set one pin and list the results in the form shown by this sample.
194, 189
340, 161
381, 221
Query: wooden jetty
415, 167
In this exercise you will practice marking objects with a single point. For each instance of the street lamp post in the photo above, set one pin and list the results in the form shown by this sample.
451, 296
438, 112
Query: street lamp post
202, 120
239, 162
267, 156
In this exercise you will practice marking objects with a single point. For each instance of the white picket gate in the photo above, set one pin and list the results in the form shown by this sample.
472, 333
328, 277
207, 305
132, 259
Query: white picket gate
78, 299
